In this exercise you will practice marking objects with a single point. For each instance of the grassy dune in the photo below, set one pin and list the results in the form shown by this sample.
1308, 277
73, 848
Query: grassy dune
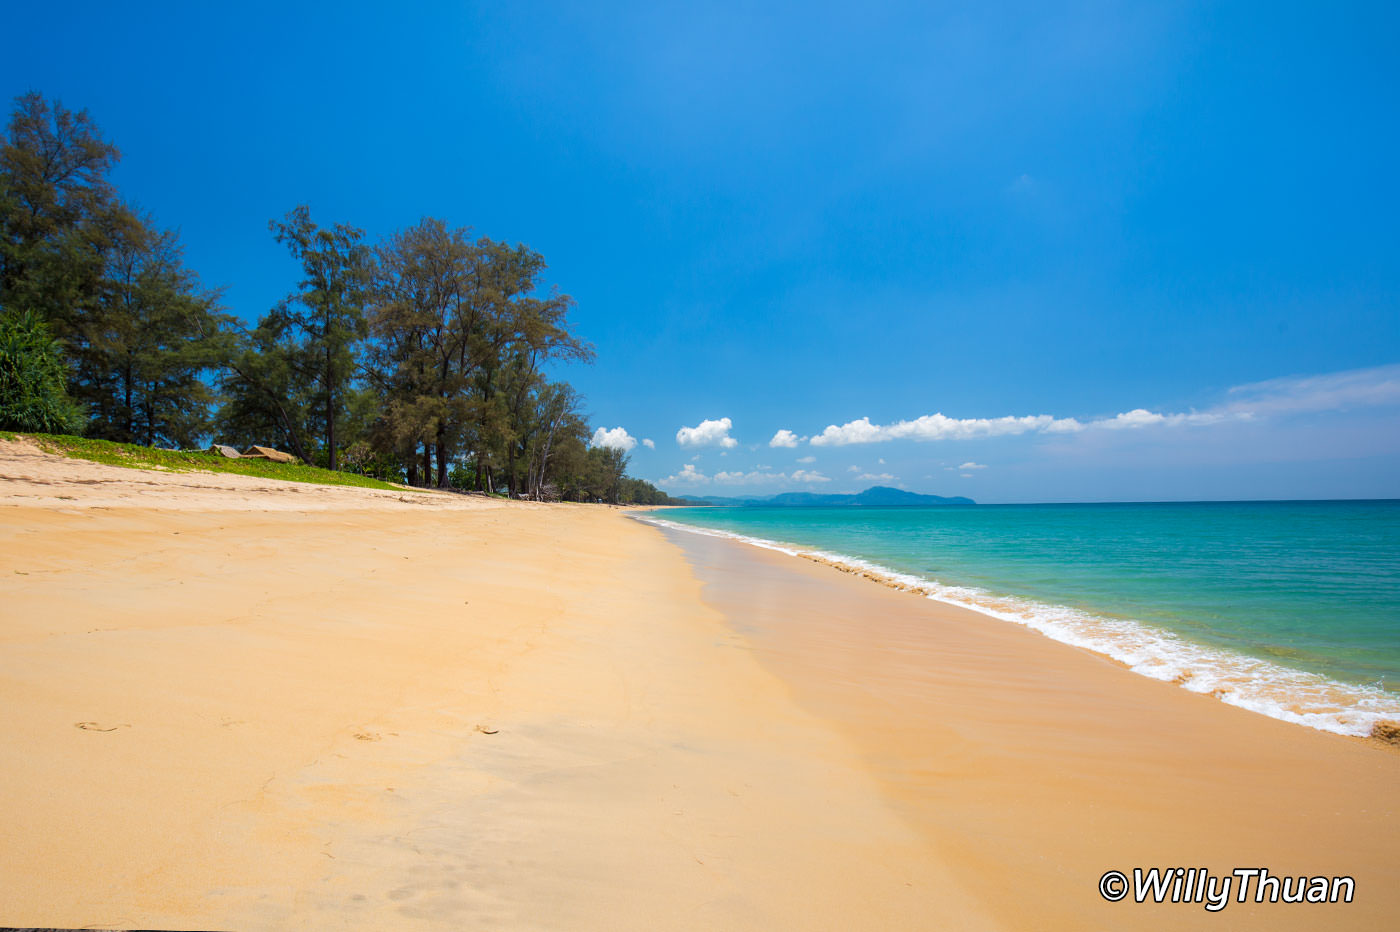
138, 457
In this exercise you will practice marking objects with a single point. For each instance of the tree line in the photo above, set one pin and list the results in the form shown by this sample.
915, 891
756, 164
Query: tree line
422, 358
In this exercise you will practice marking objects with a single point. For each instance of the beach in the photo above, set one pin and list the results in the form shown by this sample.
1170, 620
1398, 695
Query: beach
240, 703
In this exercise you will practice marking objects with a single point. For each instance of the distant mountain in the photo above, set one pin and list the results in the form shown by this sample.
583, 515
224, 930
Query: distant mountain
879, 496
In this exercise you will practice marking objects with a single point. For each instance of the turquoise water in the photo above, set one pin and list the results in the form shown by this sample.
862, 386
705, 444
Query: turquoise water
1287, 608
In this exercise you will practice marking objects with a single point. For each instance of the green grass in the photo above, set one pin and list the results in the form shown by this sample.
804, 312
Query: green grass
138, 457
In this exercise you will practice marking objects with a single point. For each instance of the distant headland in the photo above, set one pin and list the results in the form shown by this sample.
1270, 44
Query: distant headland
879, 496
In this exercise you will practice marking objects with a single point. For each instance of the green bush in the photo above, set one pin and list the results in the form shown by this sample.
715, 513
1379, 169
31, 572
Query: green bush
32, 379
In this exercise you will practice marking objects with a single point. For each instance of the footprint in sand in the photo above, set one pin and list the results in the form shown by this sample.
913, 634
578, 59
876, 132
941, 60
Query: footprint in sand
94, 726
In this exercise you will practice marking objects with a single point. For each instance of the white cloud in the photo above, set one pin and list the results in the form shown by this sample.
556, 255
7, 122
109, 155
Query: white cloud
748, 478
785, 438
806, 459
649, 443
929, 427
861, 431
1354, 388
707, 434
852, 469
617, 439
971, 465
687, 476
1375, 387
940, 427
877, 477
1141, 417
966, 475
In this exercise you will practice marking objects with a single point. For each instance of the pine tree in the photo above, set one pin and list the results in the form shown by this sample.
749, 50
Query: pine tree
327, 314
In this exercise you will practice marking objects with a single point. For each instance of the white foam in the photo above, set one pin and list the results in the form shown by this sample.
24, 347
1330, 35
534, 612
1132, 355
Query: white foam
1237, 679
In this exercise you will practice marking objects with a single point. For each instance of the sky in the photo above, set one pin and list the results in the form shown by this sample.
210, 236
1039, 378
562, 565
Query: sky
1013, 251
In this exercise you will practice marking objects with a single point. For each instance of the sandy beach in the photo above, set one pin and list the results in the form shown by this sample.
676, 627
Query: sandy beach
235, 703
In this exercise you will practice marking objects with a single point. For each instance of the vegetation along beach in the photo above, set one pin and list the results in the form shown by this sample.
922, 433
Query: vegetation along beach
742, 467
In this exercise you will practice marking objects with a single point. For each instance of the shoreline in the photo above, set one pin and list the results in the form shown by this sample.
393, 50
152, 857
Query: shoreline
234, 706
1268, 688
1023, 757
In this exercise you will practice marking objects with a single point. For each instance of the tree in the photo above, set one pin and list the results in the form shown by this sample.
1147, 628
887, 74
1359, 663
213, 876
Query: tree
327, 314
420, 320
521, 331
605, 469
555, 419
32, 376
57, 211
142, 352
265, 397
131, 320
460, 334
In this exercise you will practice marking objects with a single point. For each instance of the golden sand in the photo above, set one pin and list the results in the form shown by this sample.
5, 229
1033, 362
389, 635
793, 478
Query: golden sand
234, 703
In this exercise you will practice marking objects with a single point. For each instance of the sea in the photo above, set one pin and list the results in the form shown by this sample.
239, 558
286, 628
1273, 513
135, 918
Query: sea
1289, 609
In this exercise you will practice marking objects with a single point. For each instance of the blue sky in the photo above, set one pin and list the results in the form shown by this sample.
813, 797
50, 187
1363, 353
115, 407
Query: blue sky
808, 216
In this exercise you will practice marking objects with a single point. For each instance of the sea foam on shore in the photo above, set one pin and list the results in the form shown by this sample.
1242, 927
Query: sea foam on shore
1251, 683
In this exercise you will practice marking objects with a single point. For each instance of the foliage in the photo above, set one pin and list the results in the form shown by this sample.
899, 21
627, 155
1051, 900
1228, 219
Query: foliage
459, 334
423, 358
138, 333
141, 353
32, 376
641, 492
57, 211
325, 319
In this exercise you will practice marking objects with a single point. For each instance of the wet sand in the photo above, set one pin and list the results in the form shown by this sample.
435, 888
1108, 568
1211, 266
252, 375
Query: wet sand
233, 703
1034, 767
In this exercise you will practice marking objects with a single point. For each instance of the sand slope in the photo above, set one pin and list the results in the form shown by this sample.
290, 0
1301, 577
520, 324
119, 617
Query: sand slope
229, 704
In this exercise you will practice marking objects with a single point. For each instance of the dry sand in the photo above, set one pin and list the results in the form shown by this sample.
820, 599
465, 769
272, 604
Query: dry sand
234, 703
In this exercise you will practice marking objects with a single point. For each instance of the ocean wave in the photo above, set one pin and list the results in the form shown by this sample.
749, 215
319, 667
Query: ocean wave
1237, 679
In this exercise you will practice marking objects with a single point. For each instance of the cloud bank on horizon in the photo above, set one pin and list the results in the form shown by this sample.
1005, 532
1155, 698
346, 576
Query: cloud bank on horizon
1255, 404
689, 475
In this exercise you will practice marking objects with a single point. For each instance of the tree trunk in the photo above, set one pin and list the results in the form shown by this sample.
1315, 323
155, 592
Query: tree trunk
129, 422
441, 461
330, 410
150, 416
